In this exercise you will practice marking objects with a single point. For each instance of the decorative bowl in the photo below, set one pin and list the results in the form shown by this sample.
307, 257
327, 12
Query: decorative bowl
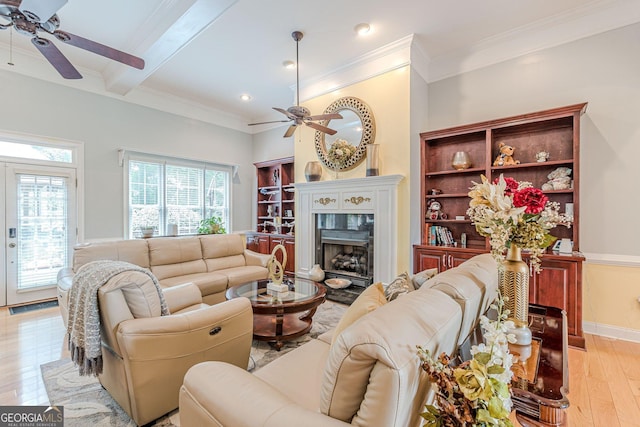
336, 283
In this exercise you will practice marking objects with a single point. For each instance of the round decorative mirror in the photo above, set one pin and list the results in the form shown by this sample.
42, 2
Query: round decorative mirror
357, 128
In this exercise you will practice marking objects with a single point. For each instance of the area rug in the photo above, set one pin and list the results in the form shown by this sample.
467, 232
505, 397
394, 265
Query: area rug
86, 403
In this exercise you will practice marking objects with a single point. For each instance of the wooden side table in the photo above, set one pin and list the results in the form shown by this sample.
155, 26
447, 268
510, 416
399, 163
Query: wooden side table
542, 381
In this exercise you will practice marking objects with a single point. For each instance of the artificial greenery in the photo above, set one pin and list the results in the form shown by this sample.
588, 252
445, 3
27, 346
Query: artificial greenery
212, 225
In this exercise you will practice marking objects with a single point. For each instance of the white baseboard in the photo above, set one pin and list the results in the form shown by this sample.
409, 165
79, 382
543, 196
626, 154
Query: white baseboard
617, 332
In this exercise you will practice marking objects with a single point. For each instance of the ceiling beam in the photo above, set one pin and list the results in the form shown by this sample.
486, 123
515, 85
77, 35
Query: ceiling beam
162, 36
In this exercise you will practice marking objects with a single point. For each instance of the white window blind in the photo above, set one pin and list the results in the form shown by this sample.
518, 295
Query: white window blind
42, 219
165, 191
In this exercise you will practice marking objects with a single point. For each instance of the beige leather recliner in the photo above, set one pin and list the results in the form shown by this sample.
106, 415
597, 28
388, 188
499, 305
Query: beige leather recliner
146, 355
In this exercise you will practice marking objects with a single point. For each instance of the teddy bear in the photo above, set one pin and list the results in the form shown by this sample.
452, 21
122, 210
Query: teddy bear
505, 158
559, 179
434, 210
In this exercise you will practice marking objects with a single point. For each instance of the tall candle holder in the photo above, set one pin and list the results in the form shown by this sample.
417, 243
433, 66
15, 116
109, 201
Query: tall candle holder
373, 161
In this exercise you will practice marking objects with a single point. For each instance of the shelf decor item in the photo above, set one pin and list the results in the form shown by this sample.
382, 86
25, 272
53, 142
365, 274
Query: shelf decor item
373, 161
316, 273
313, 171
515, 215
461, 160
147, 231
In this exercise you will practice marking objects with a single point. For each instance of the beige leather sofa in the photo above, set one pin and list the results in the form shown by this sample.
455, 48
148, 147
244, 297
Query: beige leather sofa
145, 355
370, 375
212, 262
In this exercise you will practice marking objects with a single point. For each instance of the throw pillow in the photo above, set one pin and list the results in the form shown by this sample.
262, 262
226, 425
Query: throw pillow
401, 285
418, 279
370, 299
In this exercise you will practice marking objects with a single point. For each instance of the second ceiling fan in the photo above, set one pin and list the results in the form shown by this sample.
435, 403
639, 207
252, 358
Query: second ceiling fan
297, 114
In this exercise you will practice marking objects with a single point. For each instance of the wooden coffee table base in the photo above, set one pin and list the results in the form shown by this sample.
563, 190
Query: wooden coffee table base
280, 327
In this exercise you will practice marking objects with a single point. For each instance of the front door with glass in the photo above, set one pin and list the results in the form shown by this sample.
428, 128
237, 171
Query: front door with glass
40, 229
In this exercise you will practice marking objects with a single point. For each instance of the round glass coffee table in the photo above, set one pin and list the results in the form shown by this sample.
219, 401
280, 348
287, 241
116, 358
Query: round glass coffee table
278, 319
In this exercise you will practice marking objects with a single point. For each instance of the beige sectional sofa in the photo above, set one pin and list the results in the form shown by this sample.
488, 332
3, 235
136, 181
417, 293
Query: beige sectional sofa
212, 262
370, 374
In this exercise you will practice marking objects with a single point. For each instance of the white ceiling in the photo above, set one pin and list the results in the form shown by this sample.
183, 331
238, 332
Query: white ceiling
201, 55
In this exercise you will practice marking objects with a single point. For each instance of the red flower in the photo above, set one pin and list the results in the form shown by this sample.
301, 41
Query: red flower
532, 198
512, 185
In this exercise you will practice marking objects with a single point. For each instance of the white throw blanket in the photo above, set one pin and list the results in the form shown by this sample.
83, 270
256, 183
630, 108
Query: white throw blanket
83, 328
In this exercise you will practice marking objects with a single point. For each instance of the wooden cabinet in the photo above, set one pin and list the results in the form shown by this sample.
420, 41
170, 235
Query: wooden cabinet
559, 285
275, 209
264, 244
425, 257
289, 246
556, 132
258, 243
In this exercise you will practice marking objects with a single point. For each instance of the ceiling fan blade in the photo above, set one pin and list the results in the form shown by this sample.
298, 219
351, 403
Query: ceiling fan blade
286, 113
40, 10
100, 49
290, 131
324, 117
274, 121
321, 128
56, 58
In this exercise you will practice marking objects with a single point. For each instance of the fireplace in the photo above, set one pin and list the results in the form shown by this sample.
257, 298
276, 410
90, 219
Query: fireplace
344, 246
349, 227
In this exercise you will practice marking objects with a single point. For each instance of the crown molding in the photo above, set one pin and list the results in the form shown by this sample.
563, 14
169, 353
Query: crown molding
32, 64
593, 18
387, 58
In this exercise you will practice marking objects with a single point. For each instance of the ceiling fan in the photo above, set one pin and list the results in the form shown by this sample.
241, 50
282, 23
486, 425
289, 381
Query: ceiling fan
301, 115
29, 17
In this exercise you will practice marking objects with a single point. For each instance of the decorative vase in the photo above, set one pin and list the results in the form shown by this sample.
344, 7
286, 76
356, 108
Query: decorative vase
513, 280
461, 160
313, 171
316, 273
373, 162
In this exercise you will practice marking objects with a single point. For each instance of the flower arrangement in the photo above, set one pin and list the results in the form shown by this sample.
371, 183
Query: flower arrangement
508, 211
340, 152
476, 392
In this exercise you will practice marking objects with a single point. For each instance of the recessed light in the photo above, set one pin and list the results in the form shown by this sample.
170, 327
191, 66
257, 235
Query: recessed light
362, 29
245, 97
289, 65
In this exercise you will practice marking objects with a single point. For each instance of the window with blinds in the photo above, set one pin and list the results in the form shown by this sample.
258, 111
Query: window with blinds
42, 220
165, 192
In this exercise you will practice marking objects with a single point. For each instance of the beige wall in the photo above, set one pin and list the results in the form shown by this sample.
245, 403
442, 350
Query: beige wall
388, 97
611, 298
603, 71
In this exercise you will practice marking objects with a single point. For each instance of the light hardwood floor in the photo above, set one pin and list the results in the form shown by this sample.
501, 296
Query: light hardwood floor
604, 380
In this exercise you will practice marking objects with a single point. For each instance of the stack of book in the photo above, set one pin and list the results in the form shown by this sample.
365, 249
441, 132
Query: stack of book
438, 235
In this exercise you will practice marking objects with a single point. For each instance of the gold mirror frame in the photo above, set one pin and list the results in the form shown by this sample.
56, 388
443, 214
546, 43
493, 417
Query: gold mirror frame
362, 110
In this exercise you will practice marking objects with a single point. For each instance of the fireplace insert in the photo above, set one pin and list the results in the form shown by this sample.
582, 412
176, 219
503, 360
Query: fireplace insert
344, 246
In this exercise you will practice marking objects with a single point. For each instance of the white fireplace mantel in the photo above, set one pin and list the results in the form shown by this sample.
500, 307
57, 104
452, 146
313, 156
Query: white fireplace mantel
377, 195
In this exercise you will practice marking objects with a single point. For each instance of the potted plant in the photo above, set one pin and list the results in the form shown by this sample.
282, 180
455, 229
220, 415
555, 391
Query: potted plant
212, 225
